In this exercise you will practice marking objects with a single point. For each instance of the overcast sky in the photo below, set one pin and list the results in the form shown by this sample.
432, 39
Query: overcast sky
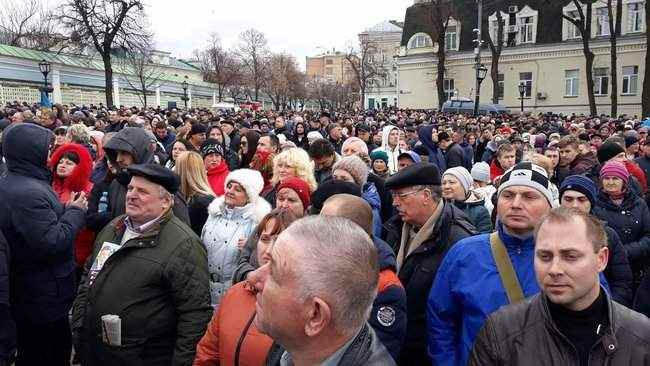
294, 26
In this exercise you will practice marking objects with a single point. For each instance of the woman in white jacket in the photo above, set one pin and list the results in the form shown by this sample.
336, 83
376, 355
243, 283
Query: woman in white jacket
232, 218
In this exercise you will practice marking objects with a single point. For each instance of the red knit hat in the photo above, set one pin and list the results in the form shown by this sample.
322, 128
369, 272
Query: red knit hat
300, 187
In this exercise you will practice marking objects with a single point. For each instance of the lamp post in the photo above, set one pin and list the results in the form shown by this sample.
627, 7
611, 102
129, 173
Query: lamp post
185, 98
481, 72
522, 91
45, 67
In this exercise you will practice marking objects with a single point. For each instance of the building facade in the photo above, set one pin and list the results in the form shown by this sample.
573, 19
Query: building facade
541, 50
330, 66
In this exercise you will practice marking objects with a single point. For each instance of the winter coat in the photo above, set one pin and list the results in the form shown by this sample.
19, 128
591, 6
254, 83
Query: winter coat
370, 195
385, 196
631, 221
478, 215
495, 169
7, 324
486, 193
300, 140
393, 153
157, 283
168, 142
526, 334
468, 288
644, 163
229, 328
197, 208
78, 181
618, 272
468, 154
221, 233
39, 229
455, 157
217, 178
642, 297
418, 271
489, 153
582, 164
436, 155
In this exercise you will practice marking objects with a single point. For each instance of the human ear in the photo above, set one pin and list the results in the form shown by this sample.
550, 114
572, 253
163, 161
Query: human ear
318, 318
603, 258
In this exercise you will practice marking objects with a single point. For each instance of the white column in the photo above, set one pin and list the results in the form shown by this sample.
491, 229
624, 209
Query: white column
158, 95
189, 96
116, 92
56, 85
214, 98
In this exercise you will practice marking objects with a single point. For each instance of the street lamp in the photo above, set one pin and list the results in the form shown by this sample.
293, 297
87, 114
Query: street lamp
522, 91
184, 98
45, 67
481, 72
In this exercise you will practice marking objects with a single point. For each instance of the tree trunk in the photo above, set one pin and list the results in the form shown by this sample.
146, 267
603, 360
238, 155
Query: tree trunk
494, 75
440, 74
108, 76
614, 31
144, 98
589, 63
645, 95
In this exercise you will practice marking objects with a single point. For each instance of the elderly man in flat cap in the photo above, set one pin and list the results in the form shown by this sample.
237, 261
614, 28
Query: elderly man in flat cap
424, 229
149, 269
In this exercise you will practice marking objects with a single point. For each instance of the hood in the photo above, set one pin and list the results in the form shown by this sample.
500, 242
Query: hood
424, 134
133, 140
385, 254
257, 210
25, 147
80, 176
384, 135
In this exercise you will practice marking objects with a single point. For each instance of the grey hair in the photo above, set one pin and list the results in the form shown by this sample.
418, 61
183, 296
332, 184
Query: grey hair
338, 262
164, 193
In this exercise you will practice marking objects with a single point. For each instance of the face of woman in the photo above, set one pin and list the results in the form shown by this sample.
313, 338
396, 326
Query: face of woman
265, 243
285, 171
300, 129
344, 175
452, 189
612, 185
216, 134
379, 166
65, 167
243, 145
235, 195
177, 150
288, 199
212, 161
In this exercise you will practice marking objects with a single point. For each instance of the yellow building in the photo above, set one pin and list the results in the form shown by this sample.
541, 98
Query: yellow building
331, 66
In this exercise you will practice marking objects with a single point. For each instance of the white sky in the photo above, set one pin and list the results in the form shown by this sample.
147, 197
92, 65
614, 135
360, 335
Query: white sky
293, 26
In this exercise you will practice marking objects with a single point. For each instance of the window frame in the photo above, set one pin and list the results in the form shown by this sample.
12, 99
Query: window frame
528, 82
448, 88
414, 41
630, 78
598, 81
574, 81
601, 24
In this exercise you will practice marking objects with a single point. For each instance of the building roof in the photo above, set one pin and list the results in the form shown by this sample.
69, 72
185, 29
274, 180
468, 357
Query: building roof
387, 26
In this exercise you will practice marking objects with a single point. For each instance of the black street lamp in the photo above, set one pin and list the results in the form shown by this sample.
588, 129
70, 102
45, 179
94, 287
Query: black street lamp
45, 67
481, 72
522, 91
184, 98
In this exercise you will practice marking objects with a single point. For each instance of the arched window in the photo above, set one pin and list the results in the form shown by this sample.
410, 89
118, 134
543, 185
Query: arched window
420, 40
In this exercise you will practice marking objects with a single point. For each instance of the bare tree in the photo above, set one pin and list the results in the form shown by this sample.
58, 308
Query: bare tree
496, 46
298, 89
281, 69
645, 94
253, 51
141, 71
440, 14
29, 24
614, 32
219, 66
107, 26
366, 70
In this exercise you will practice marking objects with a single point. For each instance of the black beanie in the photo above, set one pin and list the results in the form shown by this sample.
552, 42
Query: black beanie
609, 150
328, 189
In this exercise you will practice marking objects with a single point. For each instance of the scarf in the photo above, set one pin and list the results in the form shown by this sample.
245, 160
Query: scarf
412, 240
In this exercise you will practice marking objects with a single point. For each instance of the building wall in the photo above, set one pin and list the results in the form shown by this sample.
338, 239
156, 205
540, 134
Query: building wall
331, 66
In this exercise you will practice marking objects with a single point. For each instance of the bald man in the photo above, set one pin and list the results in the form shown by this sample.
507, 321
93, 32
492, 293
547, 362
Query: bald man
388, 315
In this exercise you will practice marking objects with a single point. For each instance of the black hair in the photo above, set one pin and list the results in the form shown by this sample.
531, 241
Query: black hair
275, 141
70, 155
321, 148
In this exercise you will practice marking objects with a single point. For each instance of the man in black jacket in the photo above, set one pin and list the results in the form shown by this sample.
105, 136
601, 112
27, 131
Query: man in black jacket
422, 232
573, 321
454, 154
41, 233
7, 324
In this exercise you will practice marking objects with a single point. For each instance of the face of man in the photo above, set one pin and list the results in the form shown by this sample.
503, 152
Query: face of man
124, 159
335, 133
596, 140
444, 144
507, 159
279, 122
568, 155
408, 203
393, 137
323, 162
353, 148
646, 150
521, 208
227, 128
364, 135
161, 133
554, 155
633, 149
197, 139
144, 201
264, 144
566, 264
576, 201
404, 162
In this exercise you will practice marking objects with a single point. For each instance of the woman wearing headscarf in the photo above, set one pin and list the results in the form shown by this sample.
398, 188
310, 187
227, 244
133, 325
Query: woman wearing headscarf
215, 165
215, 132
247, 147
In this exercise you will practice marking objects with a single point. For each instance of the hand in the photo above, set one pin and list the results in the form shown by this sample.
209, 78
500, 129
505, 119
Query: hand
79, 201
241, 243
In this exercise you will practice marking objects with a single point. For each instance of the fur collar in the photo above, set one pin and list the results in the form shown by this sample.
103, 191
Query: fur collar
257, 210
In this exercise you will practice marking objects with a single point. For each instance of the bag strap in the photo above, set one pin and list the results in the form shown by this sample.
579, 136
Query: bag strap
506, 271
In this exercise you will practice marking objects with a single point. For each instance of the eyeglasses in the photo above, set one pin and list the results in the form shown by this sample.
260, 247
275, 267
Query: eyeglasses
402, 195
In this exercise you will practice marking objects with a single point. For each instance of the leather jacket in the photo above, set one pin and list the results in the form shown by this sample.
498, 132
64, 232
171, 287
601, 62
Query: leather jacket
525, 334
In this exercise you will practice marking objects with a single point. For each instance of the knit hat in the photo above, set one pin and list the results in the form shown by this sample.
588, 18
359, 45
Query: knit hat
630, 140
463, 177
197, 128
615, 168
379, 155
250, 179
211, 146
481, 172
300, 187
355, 166
328, 189
582, 184
350, 140
530, 175
608, 150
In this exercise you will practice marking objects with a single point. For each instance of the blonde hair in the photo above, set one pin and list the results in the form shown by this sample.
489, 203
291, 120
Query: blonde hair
190, 169
543, 161
79, 134
297, 159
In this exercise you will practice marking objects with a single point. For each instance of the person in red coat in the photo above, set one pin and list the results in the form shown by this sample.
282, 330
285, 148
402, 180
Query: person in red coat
71, 166
215, 165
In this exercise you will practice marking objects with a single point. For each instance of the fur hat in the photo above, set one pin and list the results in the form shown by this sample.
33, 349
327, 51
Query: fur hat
355, 166
250, 179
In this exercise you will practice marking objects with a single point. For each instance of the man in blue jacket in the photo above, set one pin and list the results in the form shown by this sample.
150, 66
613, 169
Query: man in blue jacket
41, 232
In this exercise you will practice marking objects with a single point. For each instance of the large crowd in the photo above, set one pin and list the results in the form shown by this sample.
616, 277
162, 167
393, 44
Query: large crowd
149, 236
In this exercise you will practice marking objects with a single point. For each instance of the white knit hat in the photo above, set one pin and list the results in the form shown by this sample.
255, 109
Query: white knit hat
463, 177
250, 179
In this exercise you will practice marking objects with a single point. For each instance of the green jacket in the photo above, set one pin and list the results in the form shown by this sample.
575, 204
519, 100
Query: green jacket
158, 284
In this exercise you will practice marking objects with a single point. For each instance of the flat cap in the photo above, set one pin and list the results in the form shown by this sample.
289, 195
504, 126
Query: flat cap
156, 174
420, 174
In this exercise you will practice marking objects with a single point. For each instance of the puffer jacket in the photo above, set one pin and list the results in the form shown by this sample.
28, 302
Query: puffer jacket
38, 227
157, 283
371, 195
221, 233
478, 215
631, 221
525, 334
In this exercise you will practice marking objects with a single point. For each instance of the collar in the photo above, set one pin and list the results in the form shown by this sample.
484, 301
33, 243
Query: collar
513, 242
146, 229
333, 360
412, 242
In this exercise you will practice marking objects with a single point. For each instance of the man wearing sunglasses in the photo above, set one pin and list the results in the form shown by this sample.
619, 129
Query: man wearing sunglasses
422, 232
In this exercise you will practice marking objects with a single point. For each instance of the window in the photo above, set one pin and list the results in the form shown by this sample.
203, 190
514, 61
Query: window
573, 31
493, 21
500, 86
601, 81
450, 38
635, 17
630, 78
526, 78
526, 30
329, 61
420, 40
448, 86
571, 83
602, 22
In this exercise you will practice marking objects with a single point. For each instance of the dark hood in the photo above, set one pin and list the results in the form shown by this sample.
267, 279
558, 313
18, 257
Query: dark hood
133, 140
385, 254
424, 134
25, 147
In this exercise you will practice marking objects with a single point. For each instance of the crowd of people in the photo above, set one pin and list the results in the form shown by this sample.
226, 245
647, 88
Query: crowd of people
149, 236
